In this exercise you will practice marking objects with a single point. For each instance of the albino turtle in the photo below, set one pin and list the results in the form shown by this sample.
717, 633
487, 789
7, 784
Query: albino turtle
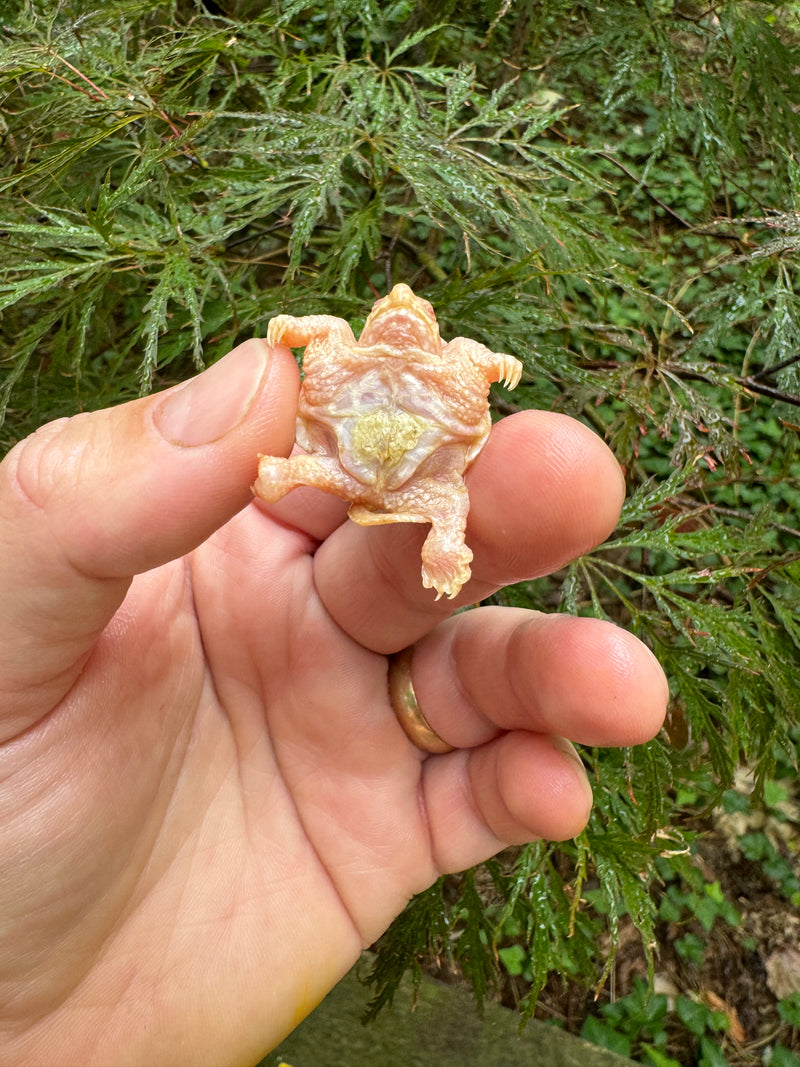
390, 422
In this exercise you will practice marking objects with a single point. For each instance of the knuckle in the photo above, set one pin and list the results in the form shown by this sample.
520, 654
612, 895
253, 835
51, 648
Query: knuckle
44, 465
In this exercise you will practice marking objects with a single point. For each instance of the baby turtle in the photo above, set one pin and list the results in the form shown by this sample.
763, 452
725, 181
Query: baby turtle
391, 422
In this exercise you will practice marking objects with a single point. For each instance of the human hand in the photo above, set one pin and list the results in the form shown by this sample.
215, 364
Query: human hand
207, 806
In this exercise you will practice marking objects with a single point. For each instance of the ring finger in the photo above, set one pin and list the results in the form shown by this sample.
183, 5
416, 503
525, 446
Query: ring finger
495, 669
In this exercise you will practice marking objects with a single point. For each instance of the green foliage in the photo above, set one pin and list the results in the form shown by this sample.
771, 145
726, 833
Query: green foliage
769, 835
423, 923
643, 1023
780, 1056
689, 895
608, 191
789, 1010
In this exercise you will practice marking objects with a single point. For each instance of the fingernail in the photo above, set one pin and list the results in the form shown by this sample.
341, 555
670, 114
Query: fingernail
209, 406
565, 746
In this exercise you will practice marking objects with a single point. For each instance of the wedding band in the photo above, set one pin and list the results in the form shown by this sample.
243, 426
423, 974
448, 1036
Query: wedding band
404, 704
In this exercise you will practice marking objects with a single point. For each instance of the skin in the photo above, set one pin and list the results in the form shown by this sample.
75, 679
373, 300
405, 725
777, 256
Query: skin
207, 807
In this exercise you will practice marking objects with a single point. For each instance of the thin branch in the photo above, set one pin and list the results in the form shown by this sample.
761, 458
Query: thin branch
647, 190
749, 383
97, 89
768, 390
766, 371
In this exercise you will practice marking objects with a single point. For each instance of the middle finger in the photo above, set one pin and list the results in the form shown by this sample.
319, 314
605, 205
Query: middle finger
544, 490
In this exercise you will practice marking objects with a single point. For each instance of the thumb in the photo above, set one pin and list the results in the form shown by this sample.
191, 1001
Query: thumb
88, 502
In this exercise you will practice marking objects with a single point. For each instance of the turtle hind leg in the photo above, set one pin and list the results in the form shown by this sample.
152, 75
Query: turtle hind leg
277, 476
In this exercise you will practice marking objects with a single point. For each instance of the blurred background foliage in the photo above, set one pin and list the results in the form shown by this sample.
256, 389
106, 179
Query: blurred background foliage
607, 191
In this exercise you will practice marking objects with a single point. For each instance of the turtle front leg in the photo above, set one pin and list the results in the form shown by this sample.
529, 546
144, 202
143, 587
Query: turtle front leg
297, 332
498, 366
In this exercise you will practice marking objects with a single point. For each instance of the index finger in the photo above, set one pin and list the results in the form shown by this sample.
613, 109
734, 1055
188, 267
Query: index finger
544, 490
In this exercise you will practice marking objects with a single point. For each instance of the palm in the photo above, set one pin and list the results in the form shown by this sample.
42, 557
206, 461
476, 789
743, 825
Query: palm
253, 768
315, 725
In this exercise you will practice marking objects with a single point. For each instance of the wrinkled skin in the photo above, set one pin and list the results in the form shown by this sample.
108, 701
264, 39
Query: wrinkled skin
207, 806
391, 422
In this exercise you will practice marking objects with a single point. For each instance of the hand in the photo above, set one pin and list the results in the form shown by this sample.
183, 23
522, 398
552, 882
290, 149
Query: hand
207, 806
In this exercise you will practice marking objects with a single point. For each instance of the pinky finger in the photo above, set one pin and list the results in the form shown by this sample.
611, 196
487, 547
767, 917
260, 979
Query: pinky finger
518, 788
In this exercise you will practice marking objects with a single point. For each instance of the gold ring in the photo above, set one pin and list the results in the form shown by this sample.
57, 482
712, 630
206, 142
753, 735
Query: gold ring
404, 703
